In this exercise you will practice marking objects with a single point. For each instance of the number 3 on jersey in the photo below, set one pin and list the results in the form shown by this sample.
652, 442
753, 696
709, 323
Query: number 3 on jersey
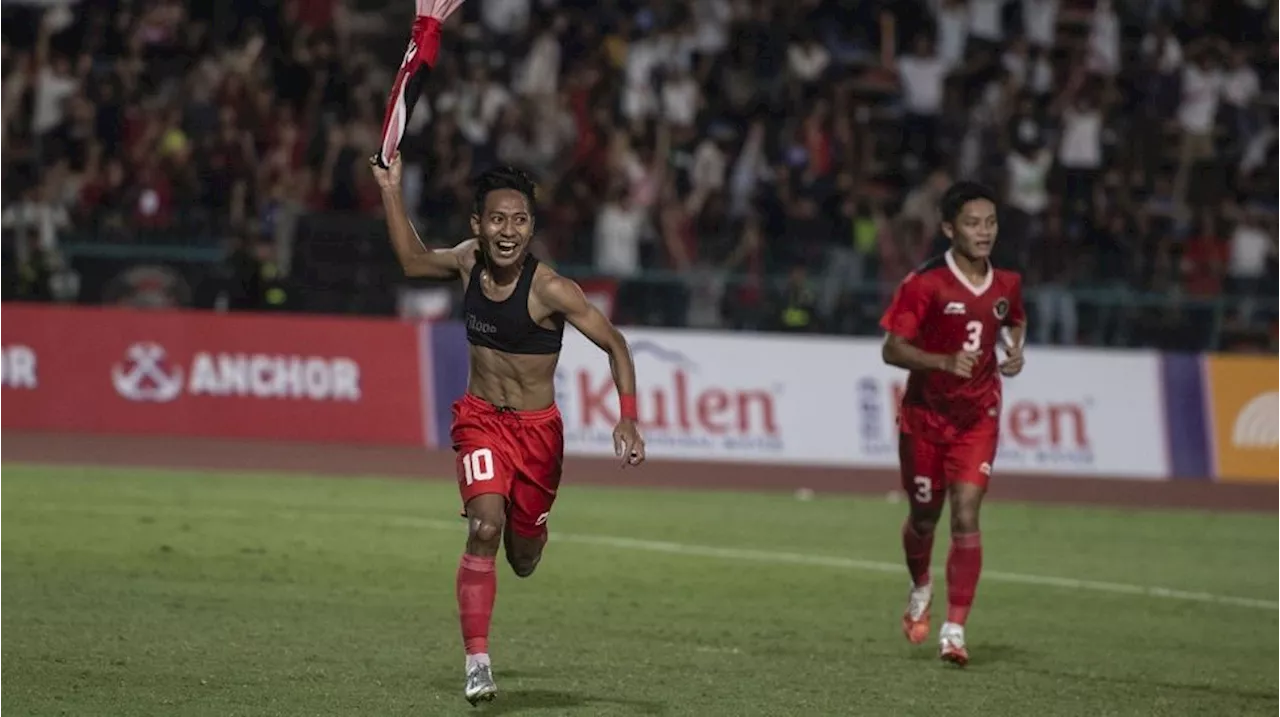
478, 465
974, 341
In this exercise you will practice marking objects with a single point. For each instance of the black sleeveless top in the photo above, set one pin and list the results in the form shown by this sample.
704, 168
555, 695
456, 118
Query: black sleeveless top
506, 325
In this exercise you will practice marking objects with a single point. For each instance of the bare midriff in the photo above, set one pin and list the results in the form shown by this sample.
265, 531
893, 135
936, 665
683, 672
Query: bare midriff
522, 382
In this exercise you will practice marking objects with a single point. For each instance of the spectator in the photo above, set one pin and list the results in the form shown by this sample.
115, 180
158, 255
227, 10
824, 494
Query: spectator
922, 74
1197, 109
720, 143
1040, 22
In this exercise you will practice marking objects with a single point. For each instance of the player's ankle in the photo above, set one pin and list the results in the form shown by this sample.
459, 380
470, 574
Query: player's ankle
479, 658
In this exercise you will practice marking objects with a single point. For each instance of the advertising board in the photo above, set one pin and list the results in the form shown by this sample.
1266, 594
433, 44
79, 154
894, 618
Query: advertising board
206, 374
1243, 403
828, 401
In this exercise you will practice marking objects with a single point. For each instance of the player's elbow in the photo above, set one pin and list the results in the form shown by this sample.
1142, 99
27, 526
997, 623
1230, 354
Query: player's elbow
889, 351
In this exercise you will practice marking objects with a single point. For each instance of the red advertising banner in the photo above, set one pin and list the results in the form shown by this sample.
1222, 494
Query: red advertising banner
100, 370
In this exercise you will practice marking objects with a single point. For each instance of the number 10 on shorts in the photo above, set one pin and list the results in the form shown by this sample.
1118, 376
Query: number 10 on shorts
478, 465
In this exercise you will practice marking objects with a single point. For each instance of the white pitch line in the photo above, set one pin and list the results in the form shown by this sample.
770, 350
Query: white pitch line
832, 561
701, 551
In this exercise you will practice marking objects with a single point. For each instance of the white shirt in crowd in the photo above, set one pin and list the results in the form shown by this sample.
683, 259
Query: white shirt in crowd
46, 219
922, 83
1104, 40
617, 239
1200, 92
709, 166
807, 61
540, 72
1040, 20
985, 21
953, 32
1029, 181
1081, 146
1250, 247
712, 17
1170, 54
478, 109
506, 17
680, 99
1034, 75
638, 98
1240, 86
52, 90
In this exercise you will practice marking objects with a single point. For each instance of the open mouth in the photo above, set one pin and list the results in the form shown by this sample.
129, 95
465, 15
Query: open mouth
506, 249
982, 244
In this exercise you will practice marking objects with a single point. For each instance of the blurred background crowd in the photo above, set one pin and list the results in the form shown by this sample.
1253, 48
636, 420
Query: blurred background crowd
746, 164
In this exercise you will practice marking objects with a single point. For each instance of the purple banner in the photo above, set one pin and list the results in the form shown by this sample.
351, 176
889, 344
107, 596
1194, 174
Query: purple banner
1184, 411
449, 364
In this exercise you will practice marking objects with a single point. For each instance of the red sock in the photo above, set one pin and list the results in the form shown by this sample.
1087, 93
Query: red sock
919, 549
964, 565
477, 588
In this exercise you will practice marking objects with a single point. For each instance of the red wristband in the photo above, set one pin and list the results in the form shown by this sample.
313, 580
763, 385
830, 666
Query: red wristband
627, 404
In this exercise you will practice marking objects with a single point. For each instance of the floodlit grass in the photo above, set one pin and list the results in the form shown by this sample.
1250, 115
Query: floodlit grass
174, 593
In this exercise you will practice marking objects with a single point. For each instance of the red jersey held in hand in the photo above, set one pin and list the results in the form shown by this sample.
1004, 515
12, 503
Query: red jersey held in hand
938, 310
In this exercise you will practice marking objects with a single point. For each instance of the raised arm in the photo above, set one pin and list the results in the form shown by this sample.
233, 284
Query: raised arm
415, 258
564, 296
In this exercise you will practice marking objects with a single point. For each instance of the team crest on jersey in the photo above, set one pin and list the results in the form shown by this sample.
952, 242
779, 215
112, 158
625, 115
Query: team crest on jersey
1002, 308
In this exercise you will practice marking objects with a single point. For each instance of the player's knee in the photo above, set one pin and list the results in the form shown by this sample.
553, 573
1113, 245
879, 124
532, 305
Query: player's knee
924, 519
965, 502
486, 530
923, 524
964, 519
524, 565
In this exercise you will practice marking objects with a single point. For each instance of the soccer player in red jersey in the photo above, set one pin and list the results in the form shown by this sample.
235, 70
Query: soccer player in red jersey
507, 431
944, 325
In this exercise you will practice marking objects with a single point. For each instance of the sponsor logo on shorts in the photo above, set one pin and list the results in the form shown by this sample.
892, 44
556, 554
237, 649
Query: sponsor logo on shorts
148, 374
542, 519
18, 368
985, 468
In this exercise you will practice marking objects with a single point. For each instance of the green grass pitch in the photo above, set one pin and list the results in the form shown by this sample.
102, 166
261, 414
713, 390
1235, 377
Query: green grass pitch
174, 593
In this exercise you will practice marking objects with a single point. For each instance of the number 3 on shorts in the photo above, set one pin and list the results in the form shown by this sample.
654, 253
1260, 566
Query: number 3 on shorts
924, 489
478, 465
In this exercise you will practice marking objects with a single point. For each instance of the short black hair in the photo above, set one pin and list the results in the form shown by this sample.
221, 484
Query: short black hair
506, 177
960, 194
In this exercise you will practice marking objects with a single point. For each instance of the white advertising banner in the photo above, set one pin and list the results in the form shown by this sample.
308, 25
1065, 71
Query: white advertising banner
1070, 412
704, 396
832, 401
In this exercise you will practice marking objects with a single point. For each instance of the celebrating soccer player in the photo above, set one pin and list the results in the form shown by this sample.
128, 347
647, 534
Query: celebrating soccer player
944, 325
507, 431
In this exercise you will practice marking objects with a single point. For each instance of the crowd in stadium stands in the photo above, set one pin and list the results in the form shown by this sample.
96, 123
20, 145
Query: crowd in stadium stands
718, 142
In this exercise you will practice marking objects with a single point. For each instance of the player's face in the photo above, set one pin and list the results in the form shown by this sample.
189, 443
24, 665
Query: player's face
973, 232
505, 227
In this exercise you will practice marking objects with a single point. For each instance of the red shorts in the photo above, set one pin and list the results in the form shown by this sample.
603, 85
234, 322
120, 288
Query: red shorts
928, 468
517, 454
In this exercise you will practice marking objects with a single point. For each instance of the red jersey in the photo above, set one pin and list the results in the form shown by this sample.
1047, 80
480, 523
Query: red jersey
938, 310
